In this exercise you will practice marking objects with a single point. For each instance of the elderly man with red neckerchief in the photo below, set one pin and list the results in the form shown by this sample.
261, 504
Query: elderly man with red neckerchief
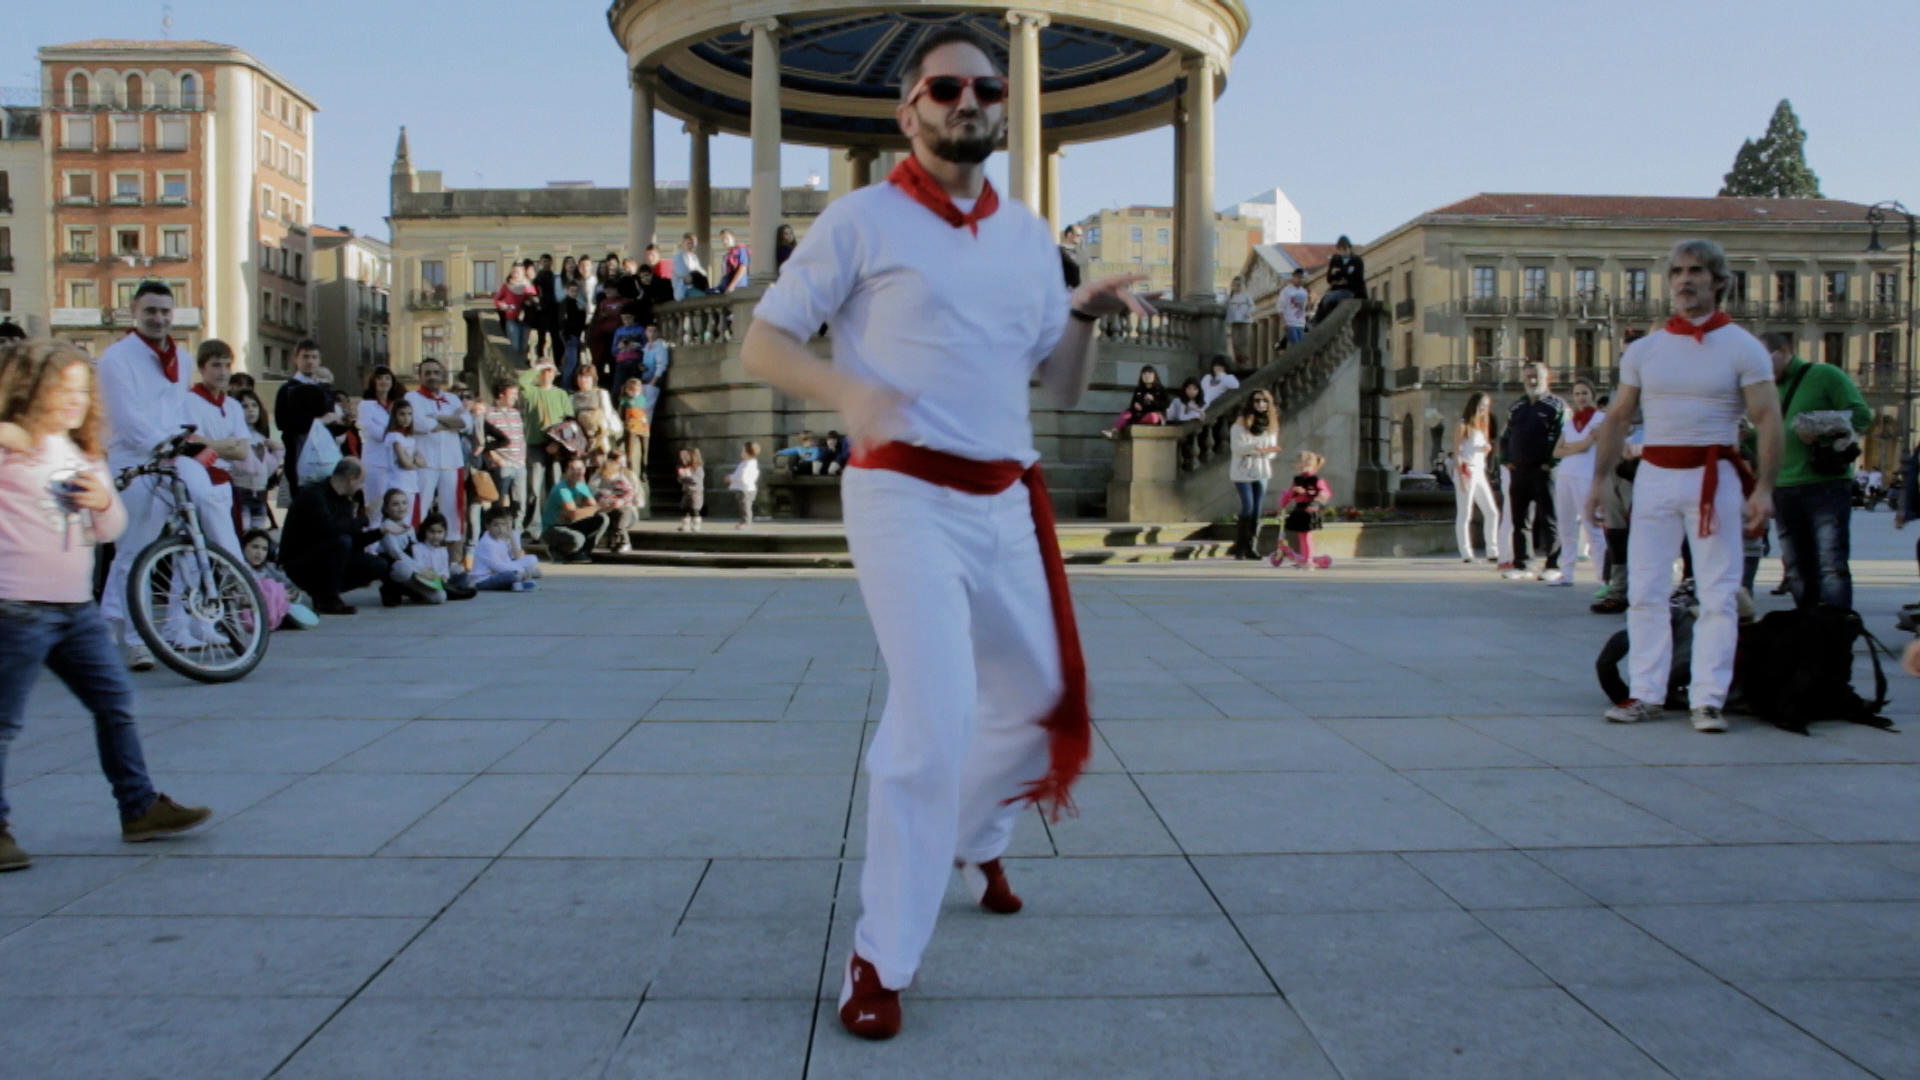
944, 304
1691, 380
439, 419
143, 386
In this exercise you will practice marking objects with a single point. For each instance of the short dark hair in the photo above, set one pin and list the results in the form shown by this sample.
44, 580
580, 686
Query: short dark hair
11, 331
151, 288
307, 344
1775, 341
939, 39
425, 360
501, 386
496, 515
428, 522
258, 534
210, 350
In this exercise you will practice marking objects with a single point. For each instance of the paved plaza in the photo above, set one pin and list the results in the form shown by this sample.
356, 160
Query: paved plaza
1359, 824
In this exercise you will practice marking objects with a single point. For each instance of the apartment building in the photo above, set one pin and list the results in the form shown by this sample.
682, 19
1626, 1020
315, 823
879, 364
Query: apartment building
23, 220
352, 294
1143, 240
189, 162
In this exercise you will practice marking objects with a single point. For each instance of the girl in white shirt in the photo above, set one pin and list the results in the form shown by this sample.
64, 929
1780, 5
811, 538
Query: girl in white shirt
1472, 440
1217, 381
1189, 405
1255, 440
405, 456
744, 482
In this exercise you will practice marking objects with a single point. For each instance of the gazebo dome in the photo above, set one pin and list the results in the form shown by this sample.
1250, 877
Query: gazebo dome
1107, 68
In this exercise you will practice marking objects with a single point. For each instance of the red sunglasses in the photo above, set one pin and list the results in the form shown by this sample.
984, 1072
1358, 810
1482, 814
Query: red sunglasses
946, 89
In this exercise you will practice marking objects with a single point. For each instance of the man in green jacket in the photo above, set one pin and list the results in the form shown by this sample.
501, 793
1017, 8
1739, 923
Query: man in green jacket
542, 405
1813, 505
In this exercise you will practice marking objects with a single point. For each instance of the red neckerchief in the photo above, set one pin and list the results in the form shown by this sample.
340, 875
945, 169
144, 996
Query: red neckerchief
913, 178
435, 396
206, 395
1580, 418
1069, 723
169, 360
1681, 325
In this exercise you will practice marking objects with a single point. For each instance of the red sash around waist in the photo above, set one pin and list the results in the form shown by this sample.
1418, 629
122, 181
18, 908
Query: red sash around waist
1707, 458
1069, 726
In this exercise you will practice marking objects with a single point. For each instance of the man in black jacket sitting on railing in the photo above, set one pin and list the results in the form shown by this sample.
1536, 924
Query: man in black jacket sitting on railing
1346, 279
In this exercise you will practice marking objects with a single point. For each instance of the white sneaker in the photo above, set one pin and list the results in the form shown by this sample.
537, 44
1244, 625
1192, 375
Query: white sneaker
1632, 711
1707, 718
1519, 575
525, 586
1565, 583
623, 549
1554, 577
139, 658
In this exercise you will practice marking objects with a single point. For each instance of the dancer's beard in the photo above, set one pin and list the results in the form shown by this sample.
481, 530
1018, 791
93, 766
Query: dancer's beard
967, 149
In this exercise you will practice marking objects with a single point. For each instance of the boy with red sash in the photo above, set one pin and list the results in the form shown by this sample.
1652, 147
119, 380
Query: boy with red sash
944, 303
1692, 380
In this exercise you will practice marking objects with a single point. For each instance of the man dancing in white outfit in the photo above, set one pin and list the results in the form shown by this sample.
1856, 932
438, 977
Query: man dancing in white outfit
143, 384
943, 303
1692, 379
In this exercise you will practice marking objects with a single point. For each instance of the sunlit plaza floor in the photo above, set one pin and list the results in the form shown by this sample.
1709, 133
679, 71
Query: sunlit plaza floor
1362, 823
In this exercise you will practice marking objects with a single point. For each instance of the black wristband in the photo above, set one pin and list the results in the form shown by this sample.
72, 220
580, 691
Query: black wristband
1083, 316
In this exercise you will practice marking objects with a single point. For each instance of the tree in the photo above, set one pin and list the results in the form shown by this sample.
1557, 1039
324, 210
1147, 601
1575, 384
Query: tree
1776, 166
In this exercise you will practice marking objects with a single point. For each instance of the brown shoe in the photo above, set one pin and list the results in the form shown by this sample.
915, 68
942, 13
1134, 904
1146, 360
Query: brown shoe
11, 857
164, 818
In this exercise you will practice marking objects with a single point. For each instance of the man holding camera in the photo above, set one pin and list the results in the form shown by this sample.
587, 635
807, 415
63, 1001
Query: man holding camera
1813, 499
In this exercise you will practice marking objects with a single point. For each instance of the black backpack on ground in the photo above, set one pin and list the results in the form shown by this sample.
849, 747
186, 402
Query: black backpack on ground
1797, 669
1679, 670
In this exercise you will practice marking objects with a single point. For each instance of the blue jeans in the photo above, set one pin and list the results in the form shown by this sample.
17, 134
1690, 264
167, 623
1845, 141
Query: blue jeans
571, 363
1815, 525
500, 582
517, 336
1296, 334
1252, 493
73, 640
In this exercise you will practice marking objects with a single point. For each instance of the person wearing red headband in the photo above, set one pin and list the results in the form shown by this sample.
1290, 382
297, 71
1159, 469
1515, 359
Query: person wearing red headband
944, 303
1692, 380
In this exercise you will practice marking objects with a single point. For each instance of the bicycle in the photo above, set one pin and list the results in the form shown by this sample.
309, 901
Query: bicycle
195, 604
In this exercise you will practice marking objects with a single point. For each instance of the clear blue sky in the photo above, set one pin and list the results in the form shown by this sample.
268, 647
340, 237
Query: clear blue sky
1367, 112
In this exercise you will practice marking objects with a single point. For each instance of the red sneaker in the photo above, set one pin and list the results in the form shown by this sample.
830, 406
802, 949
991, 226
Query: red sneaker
1504, 566
868, 1009
988, 881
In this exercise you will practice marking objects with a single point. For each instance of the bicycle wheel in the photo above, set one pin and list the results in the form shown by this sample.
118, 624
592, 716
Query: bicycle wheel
204, 618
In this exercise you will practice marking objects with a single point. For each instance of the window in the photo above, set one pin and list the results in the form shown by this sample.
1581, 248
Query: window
6, 244
284, 160
266, 200
126, 240
433, 274
173, 132
1093, 234
1636, 284
1138, 233
433, 342
266, 306
266, 257
266, 149
299, 214
123, 293
79, 187
1586, 283
76, 132
173, 188
1533, 344
1406, 281
300, 315
1836, 287
1886, 283
1737, 286
136, 92
1406, 349
1883, 353
6, 299
182, 297
1160, 236
299, 266
1833, 349
126, 132
80, 242
286, 111
189, 92
173, 242
286, 208
79, 92
299, 166
266, 101
1583, 349
1485, 285
1535, 283
82, 294
126, 189
1786, 286
1483, 343
486, 277
6, 194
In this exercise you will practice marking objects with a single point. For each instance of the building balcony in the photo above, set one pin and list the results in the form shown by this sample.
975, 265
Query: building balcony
171, 200
120, 316
76, 316
1404, 310
1406, 378
1493, 374
125, 200
76, 200
434, 299
79, 256
155, 99
1538, 306
1789, 310
1745, 309
1839, 311
176, 257
186, 318
1881, 377
1884, 311
1484, 306
1641, 308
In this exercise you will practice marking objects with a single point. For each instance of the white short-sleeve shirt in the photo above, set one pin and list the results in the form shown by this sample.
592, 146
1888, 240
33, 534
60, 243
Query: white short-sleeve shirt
1581, 464
1692, 392
956, 322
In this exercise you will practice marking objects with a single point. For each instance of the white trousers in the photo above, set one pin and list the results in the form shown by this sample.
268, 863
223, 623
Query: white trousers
1468, 493
374, 487
1570, 507
1666, 511
443, 486
958, 598
1504, 544
147, 513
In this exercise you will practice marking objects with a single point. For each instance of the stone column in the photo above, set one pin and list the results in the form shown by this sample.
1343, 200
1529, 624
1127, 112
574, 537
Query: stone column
1024, 163
1050, 189
763, 204
862, 158
1179, 198
1197, 170
700, 193
640, 194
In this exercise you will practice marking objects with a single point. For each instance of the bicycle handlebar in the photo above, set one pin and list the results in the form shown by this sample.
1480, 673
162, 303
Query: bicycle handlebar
158, 460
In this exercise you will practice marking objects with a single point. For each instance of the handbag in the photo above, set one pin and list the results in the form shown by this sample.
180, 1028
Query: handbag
484, 489
569, 434
318, 455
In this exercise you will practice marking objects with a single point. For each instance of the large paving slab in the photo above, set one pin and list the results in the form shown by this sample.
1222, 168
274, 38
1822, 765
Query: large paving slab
1362, 823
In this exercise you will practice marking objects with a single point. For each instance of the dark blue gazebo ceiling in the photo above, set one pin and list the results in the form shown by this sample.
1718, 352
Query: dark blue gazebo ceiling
860, 56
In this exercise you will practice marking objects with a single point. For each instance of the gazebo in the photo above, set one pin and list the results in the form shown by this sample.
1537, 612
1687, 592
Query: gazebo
827, 73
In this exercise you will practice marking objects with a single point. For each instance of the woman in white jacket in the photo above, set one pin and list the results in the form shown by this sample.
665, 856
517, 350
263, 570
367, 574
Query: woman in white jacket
1255, 440
373, 417
1472, 441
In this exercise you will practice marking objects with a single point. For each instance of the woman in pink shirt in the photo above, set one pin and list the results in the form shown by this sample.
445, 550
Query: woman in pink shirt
56, 504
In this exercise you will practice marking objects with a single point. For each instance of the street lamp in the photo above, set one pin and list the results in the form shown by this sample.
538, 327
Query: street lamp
1877, 214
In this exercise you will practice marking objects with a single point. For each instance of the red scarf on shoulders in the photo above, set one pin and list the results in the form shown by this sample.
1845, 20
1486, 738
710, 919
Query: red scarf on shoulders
1581, 417
913, 178
218, 401
169, 359
1681, 326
